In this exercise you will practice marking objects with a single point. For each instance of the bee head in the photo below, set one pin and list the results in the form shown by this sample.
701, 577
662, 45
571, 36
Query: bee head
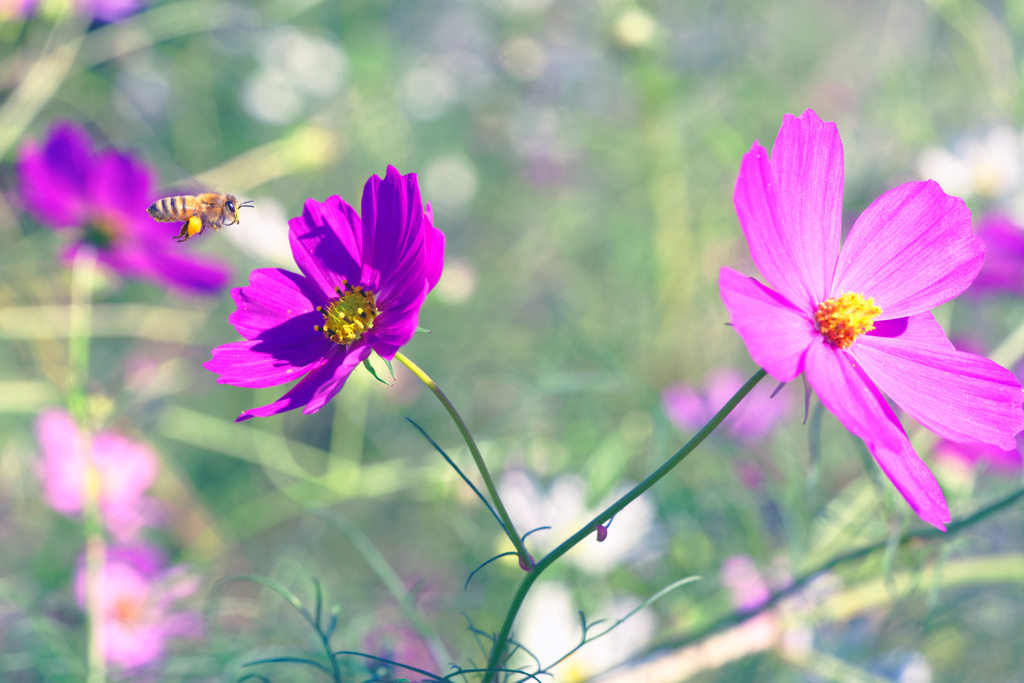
232, 206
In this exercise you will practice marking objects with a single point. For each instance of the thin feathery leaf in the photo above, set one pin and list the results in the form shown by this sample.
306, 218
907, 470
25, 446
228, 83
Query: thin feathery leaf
459, 472
540, 528
392, 662
290, 597
290, 660
496, 557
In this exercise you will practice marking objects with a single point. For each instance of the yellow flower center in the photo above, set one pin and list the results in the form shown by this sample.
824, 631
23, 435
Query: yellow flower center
844, 318
350, 316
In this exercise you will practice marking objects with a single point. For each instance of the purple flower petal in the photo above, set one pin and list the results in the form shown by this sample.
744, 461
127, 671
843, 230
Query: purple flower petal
434, 249
261, 363
393, 222
776, 333
327, 243
919, 329
318, 387
273, 297
807, 162
121, 184
848, 393
911, 250
957, 395
192, 274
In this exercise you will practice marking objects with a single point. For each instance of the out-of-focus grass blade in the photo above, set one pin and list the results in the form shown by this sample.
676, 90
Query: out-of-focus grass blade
140, 321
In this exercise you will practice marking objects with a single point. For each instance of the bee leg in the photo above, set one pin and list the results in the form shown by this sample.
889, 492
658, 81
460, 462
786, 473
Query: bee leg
192, 227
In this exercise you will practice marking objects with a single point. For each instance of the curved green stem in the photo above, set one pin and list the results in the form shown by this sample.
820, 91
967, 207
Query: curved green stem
510, 530
501, 641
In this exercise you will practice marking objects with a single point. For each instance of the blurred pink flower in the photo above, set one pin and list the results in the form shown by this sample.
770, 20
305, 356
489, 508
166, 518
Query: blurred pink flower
11, 10
689, 408
1003, 270
121, 469
138, 595
399, 644
973, 455
740, 576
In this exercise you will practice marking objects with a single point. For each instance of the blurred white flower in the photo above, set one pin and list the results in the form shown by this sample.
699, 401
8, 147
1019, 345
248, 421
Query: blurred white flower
263, 234
549, 626
523, 58
295, 66
989, 168
450, 181
634, 28
457, 281
632, 533
426, 91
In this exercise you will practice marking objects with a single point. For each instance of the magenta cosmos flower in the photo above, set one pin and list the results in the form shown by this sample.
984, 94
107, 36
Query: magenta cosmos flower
856, 320
1003, 272
362, 284
102, 199
122, 471
138, 595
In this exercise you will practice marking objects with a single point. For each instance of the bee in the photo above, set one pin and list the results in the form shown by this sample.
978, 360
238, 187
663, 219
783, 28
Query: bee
207, 210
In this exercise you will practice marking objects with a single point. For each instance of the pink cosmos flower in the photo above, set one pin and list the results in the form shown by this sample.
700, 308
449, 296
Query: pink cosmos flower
102, 198
689, 408
138, 596
1003, 272
856, 321
121, 469
362, 284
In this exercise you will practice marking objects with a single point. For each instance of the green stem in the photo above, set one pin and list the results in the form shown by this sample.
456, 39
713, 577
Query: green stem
956, 527
83, 273
501, 641
524, 557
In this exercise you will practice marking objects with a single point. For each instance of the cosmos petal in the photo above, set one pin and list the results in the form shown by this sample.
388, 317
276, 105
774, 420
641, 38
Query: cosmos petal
273, 297
433, 249
393, 227
187, 273
776, 333
911, 250
792, 221
807, 163
119, 182
850, 395
959, 396
266, 363
327, 243
318, 387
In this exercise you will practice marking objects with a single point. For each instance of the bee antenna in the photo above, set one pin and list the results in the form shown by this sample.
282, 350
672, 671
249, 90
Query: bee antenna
245, 204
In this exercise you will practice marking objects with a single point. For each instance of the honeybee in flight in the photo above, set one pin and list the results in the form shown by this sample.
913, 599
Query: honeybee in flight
201, 211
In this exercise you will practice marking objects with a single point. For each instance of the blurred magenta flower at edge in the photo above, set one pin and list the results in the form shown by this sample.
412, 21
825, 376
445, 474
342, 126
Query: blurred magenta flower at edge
999, 460
855, 321
362, 284
138, 596
103, 197
1003, 272
108, 10
122, 469
16, 9
689, 409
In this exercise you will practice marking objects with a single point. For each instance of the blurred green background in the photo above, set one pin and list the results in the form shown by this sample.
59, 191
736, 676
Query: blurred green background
580, 158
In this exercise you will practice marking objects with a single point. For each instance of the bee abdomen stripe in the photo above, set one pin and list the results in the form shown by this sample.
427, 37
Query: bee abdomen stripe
174, 205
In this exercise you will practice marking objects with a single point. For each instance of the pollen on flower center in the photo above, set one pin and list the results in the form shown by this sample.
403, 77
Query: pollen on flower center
844, 318
348, 317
